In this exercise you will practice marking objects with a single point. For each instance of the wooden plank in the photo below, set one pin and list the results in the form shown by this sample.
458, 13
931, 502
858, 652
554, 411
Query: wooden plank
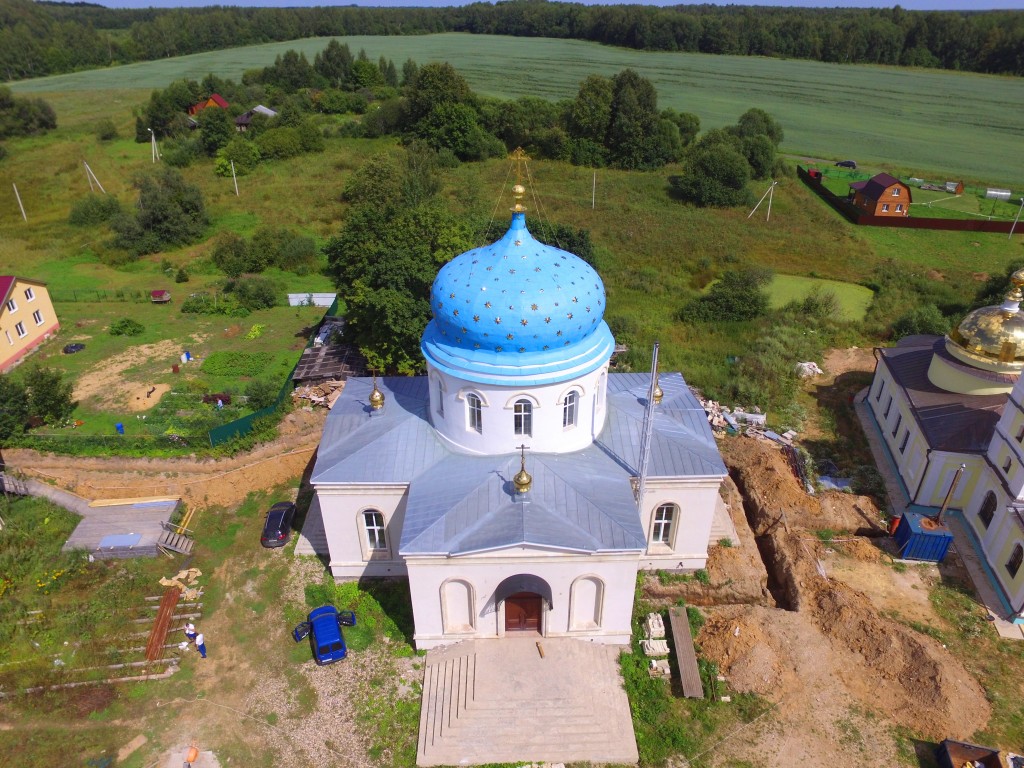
158, 636
686, 658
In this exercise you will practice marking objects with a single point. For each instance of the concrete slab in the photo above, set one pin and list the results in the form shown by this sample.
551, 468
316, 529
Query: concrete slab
502, 701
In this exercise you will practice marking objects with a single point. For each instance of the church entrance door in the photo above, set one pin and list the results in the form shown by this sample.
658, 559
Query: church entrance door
522, 612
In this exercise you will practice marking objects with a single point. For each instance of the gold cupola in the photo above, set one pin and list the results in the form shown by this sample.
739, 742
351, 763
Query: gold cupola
523, 480
992, 338
376, 396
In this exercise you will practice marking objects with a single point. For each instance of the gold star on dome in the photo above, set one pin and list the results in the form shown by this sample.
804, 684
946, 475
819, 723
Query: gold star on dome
456, 313
533, 307
451, 295
497, 321
517, 242
524, 321
547, 319
510, 337
487, 304
569, 315
476, 318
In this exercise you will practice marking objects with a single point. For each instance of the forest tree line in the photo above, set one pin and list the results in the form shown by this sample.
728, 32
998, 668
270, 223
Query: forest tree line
42, 38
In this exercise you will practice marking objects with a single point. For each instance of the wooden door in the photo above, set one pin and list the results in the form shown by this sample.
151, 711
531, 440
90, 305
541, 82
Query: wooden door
522, 612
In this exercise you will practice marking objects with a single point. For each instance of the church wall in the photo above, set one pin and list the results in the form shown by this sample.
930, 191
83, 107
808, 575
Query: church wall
688, 547
439, 585
1006, 451
999, 538
498, 435
350, 554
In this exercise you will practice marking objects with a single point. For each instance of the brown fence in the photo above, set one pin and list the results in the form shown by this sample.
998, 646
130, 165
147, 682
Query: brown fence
854, 215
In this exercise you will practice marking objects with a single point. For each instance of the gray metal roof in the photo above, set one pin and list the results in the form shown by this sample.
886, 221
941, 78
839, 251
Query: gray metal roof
458, 503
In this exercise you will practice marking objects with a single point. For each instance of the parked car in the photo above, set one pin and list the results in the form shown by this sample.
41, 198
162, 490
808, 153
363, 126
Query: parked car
278, 525
325, 636
70, 349
847, 164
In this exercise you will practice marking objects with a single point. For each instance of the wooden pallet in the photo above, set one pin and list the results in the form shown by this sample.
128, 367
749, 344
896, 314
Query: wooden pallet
686, 658
162, 625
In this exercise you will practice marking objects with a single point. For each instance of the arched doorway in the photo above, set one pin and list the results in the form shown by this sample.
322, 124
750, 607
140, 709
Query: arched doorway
523, 612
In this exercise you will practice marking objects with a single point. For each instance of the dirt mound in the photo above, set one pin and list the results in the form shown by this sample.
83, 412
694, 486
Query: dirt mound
766, 481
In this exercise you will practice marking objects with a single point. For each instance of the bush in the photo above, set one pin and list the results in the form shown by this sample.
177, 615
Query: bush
205, 304
93, 209
181, 276
284, 249
233, 256
170, 212
106, 130
279, 143
126, 327
244, 153
255, 293
738, 295
181, 152
262, 393
925, 319
236, 363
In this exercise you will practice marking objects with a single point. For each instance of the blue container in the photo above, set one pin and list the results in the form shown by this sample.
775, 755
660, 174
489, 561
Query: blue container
119, 427
919, 537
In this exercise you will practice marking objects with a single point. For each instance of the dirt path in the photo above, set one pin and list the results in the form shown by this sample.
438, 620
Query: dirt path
200, 482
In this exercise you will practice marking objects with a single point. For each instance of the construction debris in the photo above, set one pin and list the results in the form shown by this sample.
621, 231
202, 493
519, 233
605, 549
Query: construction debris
655, 647
654, 627
806, 370
184, 581
324, 393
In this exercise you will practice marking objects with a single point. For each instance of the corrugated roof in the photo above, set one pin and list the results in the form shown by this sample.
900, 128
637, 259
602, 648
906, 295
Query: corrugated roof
950, 421
875, 187
459, 503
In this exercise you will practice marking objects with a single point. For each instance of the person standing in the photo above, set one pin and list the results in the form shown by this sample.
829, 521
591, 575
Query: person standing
201, 644
190, 632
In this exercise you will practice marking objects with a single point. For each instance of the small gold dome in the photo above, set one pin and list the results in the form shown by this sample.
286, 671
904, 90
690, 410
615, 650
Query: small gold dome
658, 394
522, 481
518, 190
993, 337
376, 397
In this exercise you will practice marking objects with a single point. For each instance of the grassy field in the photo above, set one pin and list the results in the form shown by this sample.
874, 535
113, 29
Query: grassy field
854, 300
911, 120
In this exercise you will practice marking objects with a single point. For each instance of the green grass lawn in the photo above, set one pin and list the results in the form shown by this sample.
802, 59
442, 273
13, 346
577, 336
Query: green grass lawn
854, 300
926, 122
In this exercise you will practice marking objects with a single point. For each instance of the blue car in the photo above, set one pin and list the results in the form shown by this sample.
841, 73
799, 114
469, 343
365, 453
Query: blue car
325, 636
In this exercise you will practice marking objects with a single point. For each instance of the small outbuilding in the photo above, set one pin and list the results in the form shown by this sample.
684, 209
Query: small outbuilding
881, 195
160, 297
955, 187
244, 120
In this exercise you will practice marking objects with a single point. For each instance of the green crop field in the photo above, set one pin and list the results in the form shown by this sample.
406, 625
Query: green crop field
853, 299
926, 123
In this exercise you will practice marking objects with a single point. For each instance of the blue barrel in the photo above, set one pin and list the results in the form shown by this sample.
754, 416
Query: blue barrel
919, 537
119, 427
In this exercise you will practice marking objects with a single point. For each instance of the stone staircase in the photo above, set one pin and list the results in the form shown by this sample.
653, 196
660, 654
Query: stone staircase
500, 701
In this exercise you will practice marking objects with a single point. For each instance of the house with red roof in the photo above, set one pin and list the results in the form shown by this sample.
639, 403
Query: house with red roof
27, 318
215, 100
881, 195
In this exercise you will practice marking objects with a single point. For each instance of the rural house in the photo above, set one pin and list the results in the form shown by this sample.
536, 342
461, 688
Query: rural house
942, 402
243, 121
505, 484
215, 100
881, 195
27, 318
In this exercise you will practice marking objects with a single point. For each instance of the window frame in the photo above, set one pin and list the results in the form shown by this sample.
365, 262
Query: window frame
570, 409
899, 207
522, 417
474, 413
899, 423
888, 408
1014, 563
986, 512
12, 305
38, 317
375, 528
906, 439
895, 191
19, 328
885, 207
30, 295
663, 523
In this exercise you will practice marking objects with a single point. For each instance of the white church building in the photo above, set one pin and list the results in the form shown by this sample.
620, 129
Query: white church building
503, 484
942, 402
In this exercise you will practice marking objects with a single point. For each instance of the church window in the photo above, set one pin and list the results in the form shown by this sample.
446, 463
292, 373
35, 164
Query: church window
1020, 435
888, 407
878, 392
988, 509
899, 421
476, 413
440, 398
663, 519
1013, 564
1006, 465
373, 521
906, 439
569, 410
524, 418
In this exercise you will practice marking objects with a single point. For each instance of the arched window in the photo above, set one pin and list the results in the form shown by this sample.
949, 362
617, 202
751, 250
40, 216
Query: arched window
440, 398
664, 517
988, 509
1013, 564
373, 523
569, 408
475, 412
524, 418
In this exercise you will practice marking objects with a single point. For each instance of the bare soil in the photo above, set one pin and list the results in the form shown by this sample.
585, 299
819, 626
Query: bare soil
107, 383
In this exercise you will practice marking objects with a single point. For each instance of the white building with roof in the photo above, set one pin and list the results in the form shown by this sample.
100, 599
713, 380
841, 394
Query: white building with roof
940, 403
502, 483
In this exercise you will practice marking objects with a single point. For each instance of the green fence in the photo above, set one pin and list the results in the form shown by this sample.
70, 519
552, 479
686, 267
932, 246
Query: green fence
243, 426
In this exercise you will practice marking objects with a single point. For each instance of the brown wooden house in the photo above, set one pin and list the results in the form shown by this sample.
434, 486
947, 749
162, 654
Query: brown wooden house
881, 195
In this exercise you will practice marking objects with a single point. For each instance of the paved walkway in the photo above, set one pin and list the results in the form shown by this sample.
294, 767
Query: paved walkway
966, 547
501, 701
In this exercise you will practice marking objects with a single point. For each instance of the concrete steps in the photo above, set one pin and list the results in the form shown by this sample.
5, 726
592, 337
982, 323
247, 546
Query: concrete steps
495, 701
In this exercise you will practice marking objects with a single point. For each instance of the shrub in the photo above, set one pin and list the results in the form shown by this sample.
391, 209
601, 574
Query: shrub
205, 304
106, 130
170, 212
3, 151
255, 293
262, 393
233, 256
738, 295
236, 363
927, 319
244, 153
93, 209
279, 143
126, 327
181, 276
181, 152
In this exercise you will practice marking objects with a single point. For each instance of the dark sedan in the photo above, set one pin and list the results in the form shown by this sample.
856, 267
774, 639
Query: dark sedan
278, 526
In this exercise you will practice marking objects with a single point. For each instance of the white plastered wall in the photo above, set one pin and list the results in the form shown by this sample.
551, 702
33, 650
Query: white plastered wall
484, 573
696, 499
342, 507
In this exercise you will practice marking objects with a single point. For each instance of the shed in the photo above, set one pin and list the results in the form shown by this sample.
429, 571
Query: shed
955, 187
997, 194
160, 297
956, 754
921, 537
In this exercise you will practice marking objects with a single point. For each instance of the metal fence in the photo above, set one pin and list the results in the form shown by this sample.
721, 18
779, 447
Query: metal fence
74, 295
244, 425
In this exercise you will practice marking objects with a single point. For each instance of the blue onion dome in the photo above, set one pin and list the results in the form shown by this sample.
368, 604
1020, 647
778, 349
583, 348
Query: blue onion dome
516, 312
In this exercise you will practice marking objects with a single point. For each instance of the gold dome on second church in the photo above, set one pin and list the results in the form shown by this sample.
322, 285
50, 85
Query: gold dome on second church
993, 337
